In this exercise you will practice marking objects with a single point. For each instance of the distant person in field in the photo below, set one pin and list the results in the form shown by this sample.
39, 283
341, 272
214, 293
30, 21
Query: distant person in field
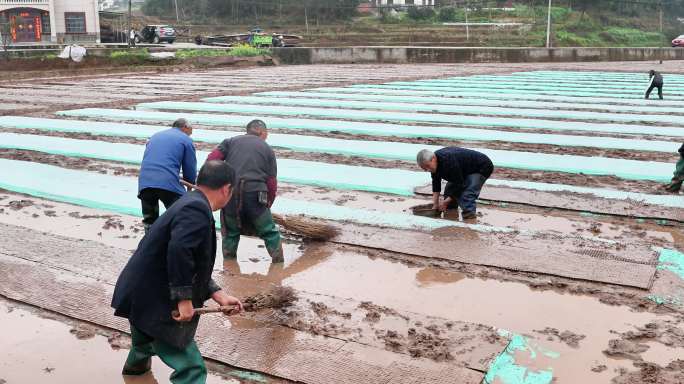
165, 154
465, 171
656, 82
678, 178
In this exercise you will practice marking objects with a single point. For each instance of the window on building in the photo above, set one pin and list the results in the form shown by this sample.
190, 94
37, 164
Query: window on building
75, 22
45, 21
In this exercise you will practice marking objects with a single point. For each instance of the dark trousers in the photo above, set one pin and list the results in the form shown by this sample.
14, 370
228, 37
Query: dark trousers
188, 365
149, 199
660, 90
246, 215
466, 195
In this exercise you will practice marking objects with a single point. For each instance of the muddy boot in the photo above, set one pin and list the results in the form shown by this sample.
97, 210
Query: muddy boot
277, 254
139, 369
469, 215
674, 187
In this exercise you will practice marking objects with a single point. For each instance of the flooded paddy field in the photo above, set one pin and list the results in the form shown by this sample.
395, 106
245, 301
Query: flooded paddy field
572, 271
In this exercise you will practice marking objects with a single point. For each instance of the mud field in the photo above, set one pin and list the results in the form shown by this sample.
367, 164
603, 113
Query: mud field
572, 272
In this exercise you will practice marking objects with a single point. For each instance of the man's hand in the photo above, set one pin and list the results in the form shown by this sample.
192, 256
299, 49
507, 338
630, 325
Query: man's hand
444, 205
223, 299
185, 311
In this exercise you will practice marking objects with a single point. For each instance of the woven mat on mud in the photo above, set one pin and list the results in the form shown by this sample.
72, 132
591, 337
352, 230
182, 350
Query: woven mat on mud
75, 278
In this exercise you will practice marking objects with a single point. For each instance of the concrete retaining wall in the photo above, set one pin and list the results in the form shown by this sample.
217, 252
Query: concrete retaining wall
351, 55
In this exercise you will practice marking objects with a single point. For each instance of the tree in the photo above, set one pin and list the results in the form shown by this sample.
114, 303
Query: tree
5, 36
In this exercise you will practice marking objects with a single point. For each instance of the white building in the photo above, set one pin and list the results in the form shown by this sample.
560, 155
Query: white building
57, 21
404, 2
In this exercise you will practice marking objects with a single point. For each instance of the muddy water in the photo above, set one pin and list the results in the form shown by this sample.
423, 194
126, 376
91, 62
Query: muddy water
510, 306
520, 218
41, 350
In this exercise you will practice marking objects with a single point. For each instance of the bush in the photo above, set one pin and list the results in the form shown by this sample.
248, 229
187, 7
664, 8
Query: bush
631, 37
144, 53
447, 14
421, 13
245, 50
132, 56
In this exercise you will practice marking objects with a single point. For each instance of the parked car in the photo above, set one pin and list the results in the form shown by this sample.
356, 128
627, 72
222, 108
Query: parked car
156, 34
678, 41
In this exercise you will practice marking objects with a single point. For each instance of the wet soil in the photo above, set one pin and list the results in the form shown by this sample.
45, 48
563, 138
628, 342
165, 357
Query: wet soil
43, 347
78, 163
649, 373
277, 298
568, 337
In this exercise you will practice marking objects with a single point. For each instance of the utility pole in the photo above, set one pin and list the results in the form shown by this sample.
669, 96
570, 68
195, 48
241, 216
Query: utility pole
128, 31
306, 19
548, 28
466, 21
662, 37
177, 17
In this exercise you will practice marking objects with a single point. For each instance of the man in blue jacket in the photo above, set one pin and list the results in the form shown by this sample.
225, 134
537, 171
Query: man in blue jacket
165, 154
171, 271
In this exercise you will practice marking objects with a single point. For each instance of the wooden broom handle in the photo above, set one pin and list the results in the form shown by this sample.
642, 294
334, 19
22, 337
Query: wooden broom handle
188, 184
205, 310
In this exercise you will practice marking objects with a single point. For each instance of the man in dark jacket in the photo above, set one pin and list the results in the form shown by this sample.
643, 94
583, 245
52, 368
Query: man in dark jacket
165, 154
656, 82
171, 271
465, 171
249, 212
678, 177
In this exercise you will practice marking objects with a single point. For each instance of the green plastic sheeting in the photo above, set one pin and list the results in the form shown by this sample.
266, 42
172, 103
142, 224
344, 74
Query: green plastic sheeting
596, 75
468, 110
458, 120
432, 101
494, 82
627, 169
511, 90
506, 370
338, 176
460, 94
119, 194
330, 145
671, 260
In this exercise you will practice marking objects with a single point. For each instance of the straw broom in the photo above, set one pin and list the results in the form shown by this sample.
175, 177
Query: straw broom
304, 227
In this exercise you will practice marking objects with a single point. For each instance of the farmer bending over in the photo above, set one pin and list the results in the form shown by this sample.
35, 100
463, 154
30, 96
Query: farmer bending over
464, 170
656, 82
165, 154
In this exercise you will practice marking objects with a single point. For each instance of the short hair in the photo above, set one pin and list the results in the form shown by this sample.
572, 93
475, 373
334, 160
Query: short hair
424, 156
180, 123
255, 127
216, 174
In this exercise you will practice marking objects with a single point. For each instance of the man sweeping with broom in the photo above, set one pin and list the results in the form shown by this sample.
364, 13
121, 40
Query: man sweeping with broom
169, 277
248, 213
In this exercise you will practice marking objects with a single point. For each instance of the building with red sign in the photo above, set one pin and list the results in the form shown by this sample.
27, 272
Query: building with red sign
56, 21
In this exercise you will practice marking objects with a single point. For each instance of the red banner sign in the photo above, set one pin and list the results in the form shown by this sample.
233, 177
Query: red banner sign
38, 27
14, 28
